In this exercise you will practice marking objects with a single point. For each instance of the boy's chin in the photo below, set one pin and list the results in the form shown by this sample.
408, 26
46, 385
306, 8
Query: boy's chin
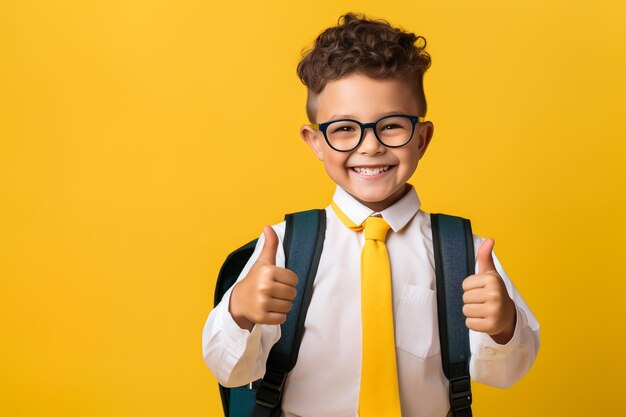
379, 200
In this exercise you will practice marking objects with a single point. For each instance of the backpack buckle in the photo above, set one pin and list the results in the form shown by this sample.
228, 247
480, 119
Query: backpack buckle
460, 393
269, 392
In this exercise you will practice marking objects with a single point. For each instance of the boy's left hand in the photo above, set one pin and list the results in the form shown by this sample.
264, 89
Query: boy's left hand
487, 305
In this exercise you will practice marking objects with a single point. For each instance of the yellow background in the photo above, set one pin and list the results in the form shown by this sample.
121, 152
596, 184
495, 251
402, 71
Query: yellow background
142, 141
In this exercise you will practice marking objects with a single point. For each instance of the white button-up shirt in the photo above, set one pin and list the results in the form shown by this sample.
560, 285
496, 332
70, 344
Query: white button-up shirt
326, 378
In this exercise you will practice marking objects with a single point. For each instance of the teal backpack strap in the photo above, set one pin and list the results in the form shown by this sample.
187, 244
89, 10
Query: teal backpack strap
303, 242
453, 248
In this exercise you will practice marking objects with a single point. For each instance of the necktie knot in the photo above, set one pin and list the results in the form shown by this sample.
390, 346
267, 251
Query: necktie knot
375, 228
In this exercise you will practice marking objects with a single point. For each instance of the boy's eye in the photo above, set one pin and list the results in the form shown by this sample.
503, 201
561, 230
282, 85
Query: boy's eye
345, 128
391, 126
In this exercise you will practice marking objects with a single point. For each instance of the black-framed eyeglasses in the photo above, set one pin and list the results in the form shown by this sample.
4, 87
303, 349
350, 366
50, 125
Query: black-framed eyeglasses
345, 135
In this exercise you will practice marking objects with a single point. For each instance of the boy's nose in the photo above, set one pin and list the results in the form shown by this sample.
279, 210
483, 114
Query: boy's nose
370, 144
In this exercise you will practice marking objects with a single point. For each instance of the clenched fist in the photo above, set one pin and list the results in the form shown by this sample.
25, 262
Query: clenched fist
487, 305
264, 296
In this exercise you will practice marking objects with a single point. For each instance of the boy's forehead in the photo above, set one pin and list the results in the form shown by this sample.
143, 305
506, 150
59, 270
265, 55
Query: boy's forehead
360, 96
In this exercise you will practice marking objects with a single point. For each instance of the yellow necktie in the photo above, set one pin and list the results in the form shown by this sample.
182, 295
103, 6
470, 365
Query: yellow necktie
379, 395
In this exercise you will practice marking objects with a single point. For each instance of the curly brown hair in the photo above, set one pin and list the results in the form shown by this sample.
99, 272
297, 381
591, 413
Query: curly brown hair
361, 45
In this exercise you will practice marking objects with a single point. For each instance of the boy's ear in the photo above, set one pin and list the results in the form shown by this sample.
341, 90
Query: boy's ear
314, 139
425, 135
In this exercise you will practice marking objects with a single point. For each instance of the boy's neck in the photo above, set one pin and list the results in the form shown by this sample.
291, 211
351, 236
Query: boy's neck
379, 206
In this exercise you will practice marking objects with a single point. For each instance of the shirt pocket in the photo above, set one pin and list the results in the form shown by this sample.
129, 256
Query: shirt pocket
416, 322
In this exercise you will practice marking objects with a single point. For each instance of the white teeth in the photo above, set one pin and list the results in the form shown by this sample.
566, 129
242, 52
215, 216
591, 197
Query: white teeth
371, 171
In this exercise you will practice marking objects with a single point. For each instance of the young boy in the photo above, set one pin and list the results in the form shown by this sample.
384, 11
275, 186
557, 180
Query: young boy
367, 71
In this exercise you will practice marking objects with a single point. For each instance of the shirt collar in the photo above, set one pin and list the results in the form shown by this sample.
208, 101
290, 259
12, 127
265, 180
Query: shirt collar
397, 215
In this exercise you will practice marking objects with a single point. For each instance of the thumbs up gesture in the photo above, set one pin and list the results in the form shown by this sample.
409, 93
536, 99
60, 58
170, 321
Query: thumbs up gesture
264, 296
487, 305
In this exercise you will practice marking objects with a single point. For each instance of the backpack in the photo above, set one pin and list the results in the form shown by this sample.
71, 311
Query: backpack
303, 241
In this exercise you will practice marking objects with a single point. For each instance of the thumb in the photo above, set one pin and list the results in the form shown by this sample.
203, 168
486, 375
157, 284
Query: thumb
484, 257
268, 253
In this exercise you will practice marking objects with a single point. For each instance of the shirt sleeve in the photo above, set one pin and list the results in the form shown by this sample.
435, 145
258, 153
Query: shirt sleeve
502, 365
234, 355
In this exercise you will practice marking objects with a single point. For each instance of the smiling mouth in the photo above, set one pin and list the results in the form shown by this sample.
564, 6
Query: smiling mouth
371, 170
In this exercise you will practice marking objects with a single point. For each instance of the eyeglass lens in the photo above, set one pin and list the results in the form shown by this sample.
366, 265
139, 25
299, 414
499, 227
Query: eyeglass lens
392, 131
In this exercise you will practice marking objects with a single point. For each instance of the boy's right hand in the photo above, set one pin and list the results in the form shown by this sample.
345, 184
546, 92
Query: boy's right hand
264, 296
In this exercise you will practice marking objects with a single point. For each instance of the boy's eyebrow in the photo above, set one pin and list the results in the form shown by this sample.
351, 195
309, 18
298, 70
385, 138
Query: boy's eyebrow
342, 116
351, 116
